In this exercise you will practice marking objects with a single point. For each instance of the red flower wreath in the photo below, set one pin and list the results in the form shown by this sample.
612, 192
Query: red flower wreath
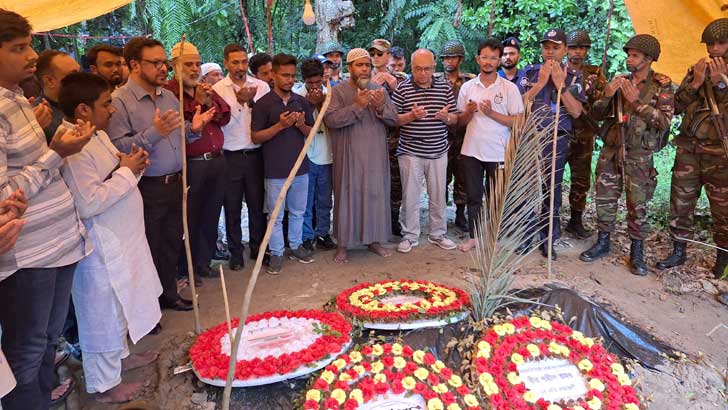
210, 362
506, 346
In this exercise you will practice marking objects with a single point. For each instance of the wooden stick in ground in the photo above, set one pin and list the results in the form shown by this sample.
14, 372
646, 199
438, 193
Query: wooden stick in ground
550, 241
185, 188
259, 261
225, 299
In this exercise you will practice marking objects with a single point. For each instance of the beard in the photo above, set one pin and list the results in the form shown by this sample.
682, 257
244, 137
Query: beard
632, 68
152, 80
362, 83
576, 60
508, 65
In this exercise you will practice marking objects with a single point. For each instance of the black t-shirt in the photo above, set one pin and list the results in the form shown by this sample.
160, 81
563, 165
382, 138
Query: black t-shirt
281, 151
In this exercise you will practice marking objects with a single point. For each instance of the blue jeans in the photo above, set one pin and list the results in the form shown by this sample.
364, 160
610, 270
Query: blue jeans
319, 196
295, 203
34, 308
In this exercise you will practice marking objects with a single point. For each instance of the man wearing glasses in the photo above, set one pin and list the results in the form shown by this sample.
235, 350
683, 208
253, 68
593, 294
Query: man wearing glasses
426, 108
147, 116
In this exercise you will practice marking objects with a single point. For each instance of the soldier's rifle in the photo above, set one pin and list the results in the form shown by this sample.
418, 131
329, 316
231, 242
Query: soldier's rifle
716, 117
621, 123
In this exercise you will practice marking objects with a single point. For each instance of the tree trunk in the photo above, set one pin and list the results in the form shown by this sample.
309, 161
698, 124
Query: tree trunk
331, 17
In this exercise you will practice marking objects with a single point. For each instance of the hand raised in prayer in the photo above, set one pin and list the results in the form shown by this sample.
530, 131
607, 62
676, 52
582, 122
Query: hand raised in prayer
9, 233
377, 99
486, 107
418, 112
137, 160
362, 98
69, 142
558, 74
13, 207
718, 69
167, 122
444, 114
700, 69
613, 86
43, 113
200, 119
203, 94
544, 72
288, 118
245, 95
471, 107
300, 119
630, 91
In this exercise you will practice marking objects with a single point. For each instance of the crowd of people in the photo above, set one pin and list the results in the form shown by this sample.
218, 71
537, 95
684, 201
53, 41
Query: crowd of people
92, 189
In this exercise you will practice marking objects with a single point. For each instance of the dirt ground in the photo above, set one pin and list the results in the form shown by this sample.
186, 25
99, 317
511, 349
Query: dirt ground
678, 307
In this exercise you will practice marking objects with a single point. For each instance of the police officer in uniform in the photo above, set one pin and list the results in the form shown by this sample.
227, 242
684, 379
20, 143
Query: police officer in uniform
701, 159
541, 84
509, 62
581, 144
452, 55
637, 108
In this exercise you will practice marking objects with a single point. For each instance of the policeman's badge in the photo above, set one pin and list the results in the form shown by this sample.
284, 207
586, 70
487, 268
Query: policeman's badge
498, 99
524, 82
551, 33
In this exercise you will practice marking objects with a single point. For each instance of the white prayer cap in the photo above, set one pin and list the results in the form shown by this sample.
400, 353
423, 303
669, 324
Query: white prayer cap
208, 67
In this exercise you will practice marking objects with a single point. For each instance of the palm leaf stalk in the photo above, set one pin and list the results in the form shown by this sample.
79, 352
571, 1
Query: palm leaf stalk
508, 215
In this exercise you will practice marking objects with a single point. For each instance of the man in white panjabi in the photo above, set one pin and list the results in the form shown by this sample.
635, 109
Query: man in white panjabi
116, 288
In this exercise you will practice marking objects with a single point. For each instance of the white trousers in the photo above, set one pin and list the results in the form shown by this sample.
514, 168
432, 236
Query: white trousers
416, 172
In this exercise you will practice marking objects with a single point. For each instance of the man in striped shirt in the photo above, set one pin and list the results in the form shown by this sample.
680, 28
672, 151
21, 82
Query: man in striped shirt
38, 271
426, 108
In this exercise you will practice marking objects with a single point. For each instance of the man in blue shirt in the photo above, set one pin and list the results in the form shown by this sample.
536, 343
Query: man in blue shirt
147, 117
509, 62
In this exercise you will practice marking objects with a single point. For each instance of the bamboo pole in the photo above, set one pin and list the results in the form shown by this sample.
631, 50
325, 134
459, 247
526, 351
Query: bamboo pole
554, 143
259, 261
227, 304
185, 188
606, 36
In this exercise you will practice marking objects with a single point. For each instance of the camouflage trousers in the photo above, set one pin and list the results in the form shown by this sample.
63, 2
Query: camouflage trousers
455, 172
639, 181
690, 174
395, 193
581, 146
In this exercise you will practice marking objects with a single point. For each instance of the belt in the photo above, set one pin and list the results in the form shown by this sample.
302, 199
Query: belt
206, 156
164, 179
245, 151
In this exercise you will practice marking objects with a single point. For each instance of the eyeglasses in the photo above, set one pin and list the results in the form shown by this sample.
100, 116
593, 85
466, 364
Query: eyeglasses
423, 69
375, 54
157, 63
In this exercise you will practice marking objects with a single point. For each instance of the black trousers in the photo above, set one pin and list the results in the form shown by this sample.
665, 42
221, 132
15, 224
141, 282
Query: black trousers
163, 226
244, 181
474, 170
34, 308
206, 179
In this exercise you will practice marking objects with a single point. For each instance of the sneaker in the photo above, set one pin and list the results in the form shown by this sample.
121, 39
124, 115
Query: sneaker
275, 266
325, 242
308, 245
442, 242
406, 245
300, 253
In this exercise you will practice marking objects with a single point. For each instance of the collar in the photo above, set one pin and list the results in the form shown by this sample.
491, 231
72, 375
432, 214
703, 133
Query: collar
139, 92
11, 93
480, 83
418, 87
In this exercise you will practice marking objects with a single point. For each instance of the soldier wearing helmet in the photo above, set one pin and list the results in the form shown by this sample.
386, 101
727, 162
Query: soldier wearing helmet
333, 52
581, 144
509, 62
700, 161
636, 109
452, 55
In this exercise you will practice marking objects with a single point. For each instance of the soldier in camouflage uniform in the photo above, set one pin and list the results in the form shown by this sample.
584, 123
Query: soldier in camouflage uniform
334, 52
452, 55
637, 109
581, 144
701, 159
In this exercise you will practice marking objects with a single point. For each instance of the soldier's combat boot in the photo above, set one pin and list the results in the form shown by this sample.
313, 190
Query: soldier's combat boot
576, 227
599, 250
637, 258
721, 261
461, 221
676, 258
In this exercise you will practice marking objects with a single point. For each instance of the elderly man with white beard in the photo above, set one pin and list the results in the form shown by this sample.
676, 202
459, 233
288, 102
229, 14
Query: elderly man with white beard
205, 162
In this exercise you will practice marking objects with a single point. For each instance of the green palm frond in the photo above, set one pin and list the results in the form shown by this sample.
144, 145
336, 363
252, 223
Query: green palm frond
508, 215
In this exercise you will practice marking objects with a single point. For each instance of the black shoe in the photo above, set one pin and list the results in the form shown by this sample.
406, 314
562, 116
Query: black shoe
721, 260
206, 272
676, 258
723, 298
178, 305
301, 254
545, 251
308, 245
276, 265
523, 248
637, 259
236, 263
598, 250
396, 228
461, 221
325, 242
576, 227
221, 255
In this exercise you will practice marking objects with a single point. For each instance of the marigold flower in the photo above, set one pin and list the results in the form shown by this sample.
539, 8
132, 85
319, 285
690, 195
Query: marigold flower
513, 378
328, 376
517, 359
585, 365
418, 356
397, 349
409, 383
435, 404
314, 395
399, 362
339, 395
357, 395
421, 373
455, 381
594, 403
530, 396
470, 400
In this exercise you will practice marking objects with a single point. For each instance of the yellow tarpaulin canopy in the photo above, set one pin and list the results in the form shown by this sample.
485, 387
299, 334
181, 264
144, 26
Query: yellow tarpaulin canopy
678, 25
46, 15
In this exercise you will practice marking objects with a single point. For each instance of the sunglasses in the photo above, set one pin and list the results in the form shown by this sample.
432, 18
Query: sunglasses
375, 54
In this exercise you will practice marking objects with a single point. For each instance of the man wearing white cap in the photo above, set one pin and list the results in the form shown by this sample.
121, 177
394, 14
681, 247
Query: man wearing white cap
357, 119
211, 73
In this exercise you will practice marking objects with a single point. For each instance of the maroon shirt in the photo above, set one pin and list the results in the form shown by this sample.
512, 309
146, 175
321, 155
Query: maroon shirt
211, 137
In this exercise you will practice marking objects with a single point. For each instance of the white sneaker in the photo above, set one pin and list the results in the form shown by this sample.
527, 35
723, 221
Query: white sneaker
406, 245
443, 242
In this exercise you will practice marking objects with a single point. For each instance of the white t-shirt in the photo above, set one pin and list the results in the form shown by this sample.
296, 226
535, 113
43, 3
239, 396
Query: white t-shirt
319, 152
237, 131
485, 138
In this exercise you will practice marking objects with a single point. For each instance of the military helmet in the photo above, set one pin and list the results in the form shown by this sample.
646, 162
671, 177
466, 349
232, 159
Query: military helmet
331, 47
452, 48
644, 43
578, 38
715, 31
